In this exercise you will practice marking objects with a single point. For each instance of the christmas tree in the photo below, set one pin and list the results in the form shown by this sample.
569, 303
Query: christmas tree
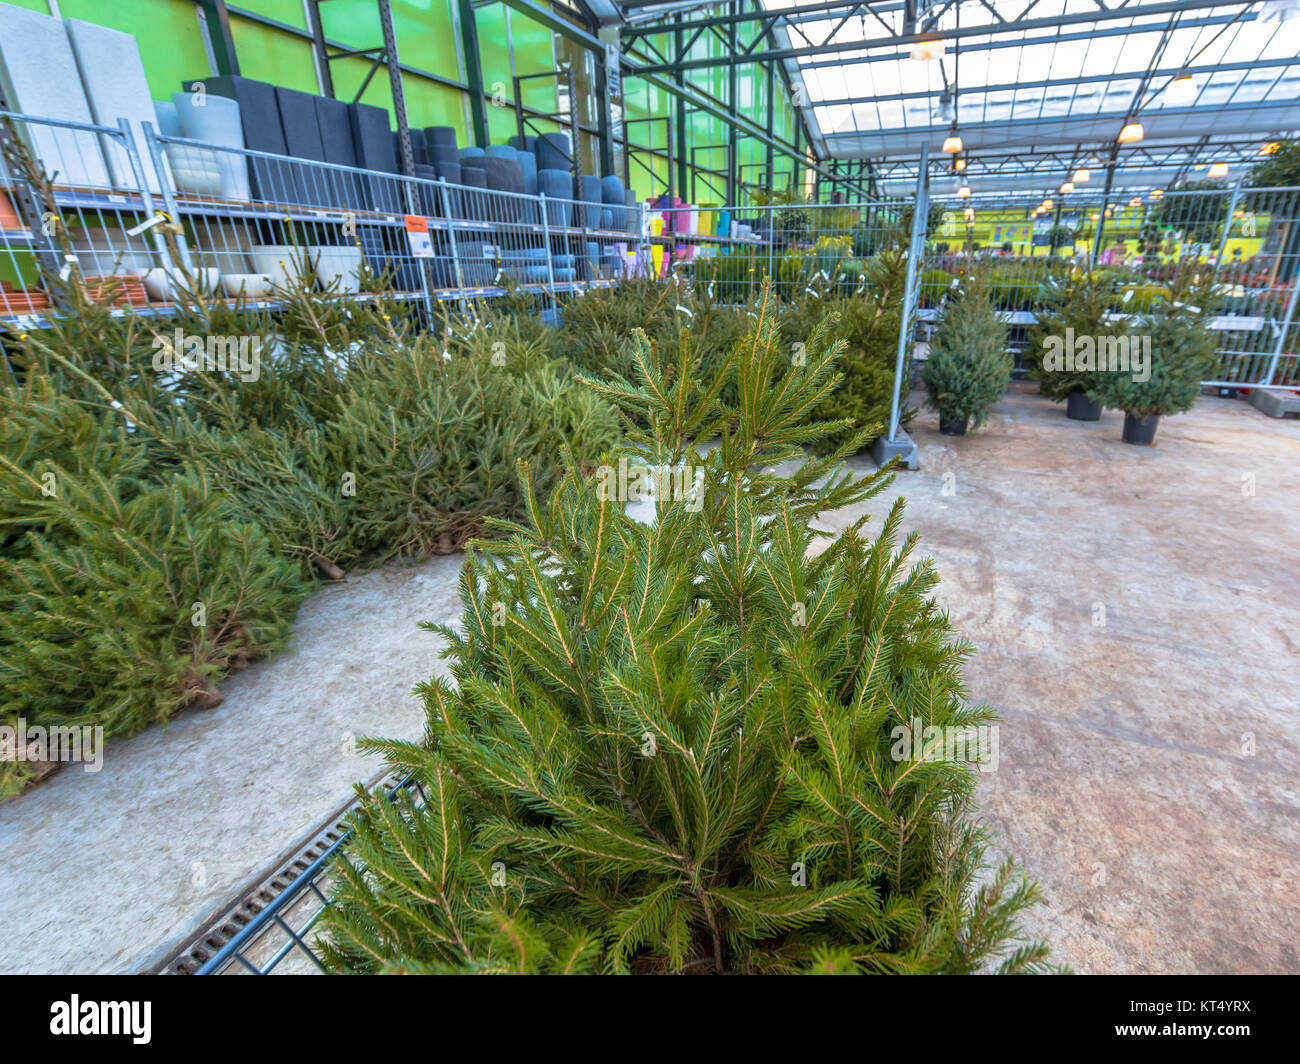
675, 746
968, 368
1079, 308
868, 321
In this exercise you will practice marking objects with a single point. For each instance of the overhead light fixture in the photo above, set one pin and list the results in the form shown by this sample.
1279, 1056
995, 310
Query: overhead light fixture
964, 192
970, 214
1094, 217
928, 50
952, 143
958, 165
1081, 176
1219, 170
1156, 193
1047, 205
1136, 201
1270, 148
1131, 133
1278, 11
1182, 89
1067, 187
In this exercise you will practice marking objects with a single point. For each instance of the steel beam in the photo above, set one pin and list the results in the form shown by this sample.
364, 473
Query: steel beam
1055, 22
216, 18
473, 72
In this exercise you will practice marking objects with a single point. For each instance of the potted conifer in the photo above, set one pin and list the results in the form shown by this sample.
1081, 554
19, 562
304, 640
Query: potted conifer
1172, 352
969, 366
1065, 352
682, 746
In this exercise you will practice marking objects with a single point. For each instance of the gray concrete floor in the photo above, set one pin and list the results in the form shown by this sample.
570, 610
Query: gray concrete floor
1122, 784
105, 872
1125, 781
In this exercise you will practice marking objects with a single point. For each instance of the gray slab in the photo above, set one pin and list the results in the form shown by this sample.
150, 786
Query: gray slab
38, 71
112, 75
1275, 402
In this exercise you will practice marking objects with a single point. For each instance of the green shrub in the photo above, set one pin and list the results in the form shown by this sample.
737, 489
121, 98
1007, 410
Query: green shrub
1077, 308
674, 747
597, 331
867, 324
934, 285
1183, 353
968, 367
122, 598
351, 444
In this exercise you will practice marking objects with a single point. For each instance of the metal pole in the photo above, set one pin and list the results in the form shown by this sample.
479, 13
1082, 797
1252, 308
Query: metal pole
919, 212
155, 156
320, 48
399, 99
451, 234
1105, 201
141, 182
1227, 225
216, 20
1281, 336
546, 242
473, 72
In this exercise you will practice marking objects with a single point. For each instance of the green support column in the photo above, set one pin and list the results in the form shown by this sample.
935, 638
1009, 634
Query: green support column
473, 73
683, 185
733, 86
771, 125
217, 20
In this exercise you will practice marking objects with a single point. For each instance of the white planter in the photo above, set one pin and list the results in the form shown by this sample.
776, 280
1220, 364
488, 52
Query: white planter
252, 285
166, 285
340, 264
282, 263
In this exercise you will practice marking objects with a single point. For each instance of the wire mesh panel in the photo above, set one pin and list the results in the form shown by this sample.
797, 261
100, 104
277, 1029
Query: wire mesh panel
280, 938
731, 251
1248, 239
72, 196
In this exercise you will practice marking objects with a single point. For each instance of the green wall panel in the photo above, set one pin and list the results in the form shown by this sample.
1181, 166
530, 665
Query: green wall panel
173, 49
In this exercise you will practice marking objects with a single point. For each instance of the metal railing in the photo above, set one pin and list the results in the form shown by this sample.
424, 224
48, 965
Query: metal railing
1248, 239
278, 936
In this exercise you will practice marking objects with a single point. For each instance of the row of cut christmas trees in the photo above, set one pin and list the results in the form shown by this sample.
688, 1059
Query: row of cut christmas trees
1080, 351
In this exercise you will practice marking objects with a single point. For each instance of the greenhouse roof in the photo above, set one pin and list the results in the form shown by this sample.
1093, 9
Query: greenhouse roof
1030, 84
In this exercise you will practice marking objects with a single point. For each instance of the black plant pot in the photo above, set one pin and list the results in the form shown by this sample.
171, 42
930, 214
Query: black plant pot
1140, 430
954, 427
1079, 407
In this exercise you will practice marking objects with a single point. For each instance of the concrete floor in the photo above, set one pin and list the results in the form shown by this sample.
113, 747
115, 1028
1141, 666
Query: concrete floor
1122, 784
106, 872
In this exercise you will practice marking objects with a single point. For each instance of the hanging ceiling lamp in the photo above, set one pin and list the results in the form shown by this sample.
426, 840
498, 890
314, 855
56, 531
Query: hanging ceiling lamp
952, 143
1270, 148
1067, 187
1219, 170
958, 165
928, 50
1047, 205
970, 214
1182, 89
1131, 133
1156, 193
1081, 176
964, 192
1136, 201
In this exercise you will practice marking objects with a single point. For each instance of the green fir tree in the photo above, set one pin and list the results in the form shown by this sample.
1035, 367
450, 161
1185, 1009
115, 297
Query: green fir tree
969, 367
674, 746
